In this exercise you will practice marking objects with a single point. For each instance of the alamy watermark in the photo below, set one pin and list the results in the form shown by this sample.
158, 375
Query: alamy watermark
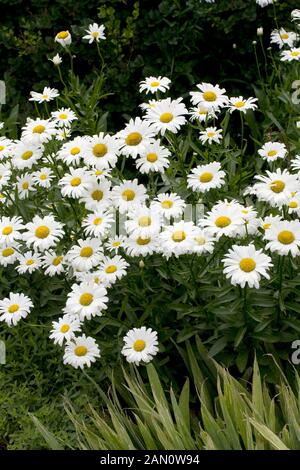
2, 92
2, 353
296, 93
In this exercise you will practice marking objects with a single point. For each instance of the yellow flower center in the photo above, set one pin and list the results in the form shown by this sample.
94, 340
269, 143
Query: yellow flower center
7, 230
209, 96
206, 177
38, 129
86, 252
115, 244
247, 265
2, 148
166, 117
99, 150
286, 237
27, 155
143, 241
64, 328
75, 181
75, 151
57, 260
139, 345
63, 116
293, 205
178, 236
25, 185
134, 138
211, 134
154, 84
95, 34
266, 226
222, 221
272, 153
42, 231
239, 104
29, 262
43, 176
7, 252
128, 195
98, 221
284, 36
200, 240
13, 308
97, 195
45, 97
99, 172
111, 269
277, 186
295, 53
80, 351
152, 157
63, 35
144, 221
86, 299
167, 204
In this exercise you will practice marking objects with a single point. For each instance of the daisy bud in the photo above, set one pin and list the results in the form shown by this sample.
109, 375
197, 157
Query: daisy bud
141, 264
298, 124
57, 60
260, 31
64, 38
254, 43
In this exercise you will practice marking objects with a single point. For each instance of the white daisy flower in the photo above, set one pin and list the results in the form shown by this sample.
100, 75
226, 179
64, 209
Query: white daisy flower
95, 33
128, 195
64, 38
86, 300
98, 224
81, 352
25, 184
275, 187
113, 268
223, 219
141, 345
271, 151
284, 238
9, 254
64, 117
205, 177
86, 255
177, 239
169, 205
72, 152
251, 222
10, 230
154, 84
246, 265
29, 262
6, 147
241, 104
201, 113
53, 263
137, 246
43, 232
97, 197
167, 115
290, 55
283, 38
203, 242
149, 104
295, 163
14, 307
264, 3
294, 204
211, 95
75, 183
295, 15
5, 174
101, 151
25, 154
64, 329
43, 177
63, 133
48, 94
135, 137
143, 222
210, 135
155, 158
267, 222
114, 244
38, 131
